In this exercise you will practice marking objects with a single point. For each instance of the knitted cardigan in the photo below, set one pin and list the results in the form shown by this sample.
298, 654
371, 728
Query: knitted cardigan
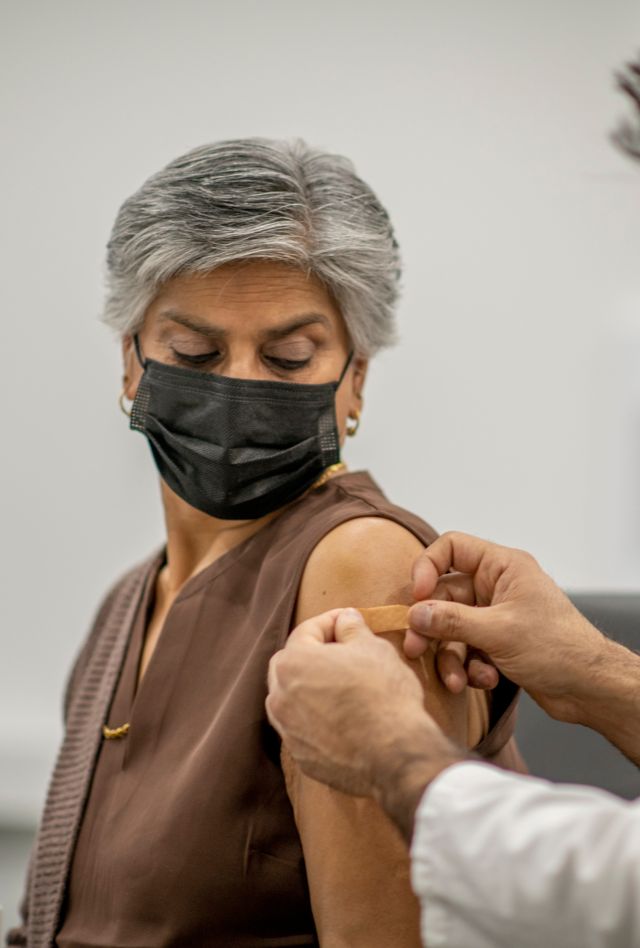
89, 690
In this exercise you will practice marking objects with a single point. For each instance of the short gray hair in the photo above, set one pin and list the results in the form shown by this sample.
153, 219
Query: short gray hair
258, 199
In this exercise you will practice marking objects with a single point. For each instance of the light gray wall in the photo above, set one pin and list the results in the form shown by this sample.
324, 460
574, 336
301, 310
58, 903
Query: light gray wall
511, 407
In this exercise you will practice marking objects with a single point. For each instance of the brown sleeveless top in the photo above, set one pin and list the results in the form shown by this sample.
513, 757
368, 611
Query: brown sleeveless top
184, 834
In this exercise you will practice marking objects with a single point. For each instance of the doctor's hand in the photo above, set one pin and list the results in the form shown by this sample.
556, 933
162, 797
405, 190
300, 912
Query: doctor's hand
351, 713
528, 627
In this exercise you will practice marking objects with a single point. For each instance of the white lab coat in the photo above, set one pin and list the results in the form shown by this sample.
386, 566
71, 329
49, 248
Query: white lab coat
500, 860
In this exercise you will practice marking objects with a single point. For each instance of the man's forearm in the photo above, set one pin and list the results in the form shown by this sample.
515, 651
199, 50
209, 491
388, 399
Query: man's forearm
606, 699
408, 768
609, 699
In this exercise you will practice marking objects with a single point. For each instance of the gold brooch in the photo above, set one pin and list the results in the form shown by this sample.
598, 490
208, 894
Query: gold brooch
112, 734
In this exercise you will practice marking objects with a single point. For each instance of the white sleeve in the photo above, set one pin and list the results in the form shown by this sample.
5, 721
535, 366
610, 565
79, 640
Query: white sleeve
500, 859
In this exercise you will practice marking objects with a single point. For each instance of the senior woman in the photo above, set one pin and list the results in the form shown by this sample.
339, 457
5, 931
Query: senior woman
250, 282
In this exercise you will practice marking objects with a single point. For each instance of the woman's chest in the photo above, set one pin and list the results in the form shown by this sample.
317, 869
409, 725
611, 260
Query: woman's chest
190, 807
151, 635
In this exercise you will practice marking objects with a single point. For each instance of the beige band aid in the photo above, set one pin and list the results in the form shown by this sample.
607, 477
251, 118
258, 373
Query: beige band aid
386, 618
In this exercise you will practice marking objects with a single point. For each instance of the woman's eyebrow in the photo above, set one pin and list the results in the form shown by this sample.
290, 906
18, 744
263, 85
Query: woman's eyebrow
192, 323
207, 329
297, 322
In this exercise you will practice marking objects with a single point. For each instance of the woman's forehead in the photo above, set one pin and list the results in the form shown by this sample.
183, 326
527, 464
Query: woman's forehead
265, 294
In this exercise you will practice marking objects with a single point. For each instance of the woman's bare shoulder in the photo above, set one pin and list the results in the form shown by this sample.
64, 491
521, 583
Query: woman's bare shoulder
363, 562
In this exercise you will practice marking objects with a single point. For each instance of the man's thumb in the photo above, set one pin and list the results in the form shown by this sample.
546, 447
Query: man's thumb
350, 625
453, 622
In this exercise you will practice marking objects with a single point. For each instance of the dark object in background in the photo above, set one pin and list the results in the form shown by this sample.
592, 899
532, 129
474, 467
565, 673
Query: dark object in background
568, 752
627, 135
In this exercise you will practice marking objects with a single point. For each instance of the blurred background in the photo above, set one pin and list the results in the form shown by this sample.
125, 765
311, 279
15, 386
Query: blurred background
510, 407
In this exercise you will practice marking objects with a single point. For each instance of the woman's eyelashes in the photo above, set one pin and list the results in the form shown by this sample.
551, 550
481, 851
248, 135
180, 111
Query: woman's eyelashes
210, 359
288, 365
196, 359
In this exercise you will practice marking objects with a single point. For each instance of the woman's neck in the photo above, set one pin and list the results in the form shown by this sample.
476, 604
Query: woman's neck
195, 540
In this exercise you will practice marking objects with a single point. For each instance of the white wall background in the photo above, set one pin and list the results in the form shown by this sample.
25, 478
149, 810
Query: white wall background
511, 407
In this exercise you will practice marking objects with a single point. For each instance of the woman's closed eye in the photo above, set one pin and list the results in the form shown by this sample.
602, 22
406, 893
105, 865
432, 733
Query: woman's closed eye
210, 359
196, 359
289, 355
288, 365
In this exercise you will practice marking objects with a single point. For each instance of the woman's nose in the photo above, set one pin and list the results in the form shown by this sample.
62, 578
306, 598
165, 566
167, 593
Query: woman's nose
242, 366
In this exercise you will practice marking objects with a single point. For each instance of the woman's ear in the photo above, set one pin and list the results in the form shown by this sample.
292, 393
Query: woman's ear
131, 370
360, 366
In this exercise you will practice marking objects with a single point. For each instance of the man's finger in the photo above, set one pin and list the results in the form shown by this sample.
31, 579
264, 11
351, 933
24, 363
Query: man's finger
450, 664
320, 629
416, 644
271, 715
457, 551
482, 674
425, 576
455, 587
272, 673
349, 625
452, 622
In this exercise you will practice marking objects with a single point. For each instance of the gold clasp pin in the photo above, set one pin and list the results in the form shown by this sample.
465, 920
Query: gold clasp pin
113, 733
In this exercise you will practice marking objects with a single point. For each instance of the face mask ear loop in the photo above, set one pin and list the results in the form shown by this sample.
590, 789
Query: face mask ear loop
141, 358
346, 368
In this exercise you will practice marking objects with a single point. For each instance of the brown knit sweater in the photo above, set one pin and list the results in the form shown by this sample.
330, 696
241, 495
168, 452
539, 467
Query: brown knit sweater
88, 693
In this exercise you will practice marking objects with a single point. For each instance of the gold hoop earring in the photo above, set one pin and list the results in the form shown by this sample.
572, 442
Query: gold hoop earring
123, 407
352, 429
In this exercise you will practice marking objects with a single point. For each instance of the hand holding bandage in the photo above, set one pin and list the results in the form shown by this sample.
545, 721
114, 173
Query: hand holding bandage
371, 693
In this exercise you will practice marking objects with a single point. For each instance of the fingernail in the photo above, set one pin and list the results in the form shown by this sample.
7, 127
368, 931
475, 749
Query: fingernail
420, 617
350, 613
455, 683
417, 570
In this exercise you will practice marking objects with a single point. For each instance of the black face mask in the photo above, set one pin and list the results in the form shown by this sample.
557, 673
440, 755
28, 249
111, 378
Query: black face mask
236, 449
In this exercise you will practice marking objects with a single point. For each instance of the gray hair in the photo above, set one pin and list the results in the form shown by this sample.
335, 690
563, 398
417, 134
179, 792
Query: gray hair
257, 199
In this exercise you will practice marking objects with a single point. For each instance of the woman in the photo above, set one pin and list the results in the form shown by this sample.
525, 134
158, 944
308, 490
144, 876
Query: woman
250, 282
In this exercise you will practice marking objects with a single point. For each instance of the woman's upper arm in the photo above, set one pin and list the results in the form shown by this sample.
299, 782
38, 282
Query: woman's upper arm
357, 864
363, 562
357, 867
367, 562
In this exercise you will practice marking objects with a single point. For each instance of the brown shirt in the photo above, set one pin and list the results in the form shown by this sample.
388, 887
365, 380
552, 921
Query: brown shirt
185, 832
185, 810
